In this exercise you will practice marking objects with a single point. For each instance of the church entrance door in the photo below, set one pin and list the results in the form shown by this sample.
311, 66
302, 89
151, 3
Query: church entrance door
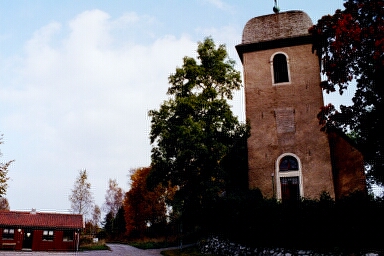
290, 190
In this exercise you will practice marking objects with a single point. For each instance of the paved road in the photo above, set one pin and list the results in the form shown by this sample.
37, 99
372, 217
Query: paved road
116, 250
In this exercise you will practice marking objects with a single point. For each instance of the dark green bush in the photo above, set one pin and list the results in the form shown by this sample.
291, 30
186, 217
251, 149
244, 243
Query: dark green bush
350, 223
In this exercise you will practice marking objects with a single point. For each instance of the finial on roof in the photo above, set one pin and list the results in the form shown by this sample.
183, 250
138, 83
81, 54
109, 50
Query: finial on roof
276, 8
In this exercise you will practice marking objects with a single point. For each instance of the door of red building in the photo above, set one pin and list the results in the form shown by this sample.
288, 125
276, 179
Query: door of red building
27, 241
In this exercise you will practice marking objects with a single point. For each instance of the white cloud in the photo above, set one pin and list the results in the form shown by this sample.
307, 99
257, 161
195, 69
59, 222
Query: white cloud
218, 4
38, 48
228, 35
83, 96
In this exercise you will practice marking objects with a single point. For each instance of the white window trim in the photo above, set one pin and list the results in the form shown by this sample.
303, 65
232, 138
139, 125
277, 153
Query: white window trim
279, 175
273, 73
9, 234
48, 235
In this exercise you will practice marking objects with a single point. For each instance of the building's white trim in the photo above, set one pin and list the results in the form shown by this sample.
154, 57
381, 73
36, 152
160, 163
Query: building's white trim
279, 174
273, 73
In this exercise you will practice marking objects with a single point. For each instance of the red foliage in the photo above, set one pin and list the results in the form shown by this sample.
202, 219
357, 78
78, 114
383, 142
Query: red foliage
142, 206
350, 46
350, 40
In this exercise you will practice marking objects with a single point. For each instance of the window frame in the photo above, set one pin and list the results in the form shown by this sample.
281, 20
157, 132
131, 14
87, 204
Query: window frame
286, 174
68, 235
7, 234
273, 70
49, 236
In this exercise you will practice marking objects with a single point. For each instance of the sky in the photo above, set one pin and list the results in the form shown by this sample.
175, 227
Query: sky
77, 79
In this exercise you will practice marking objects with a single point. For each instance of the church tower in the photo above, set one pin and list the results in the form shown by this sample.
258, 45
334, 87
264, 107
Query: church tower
289, 157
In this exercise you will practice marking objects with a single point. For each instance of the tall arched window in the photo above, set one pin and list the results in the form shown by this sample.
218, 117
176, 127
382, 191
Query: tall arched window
280, 68
289, 183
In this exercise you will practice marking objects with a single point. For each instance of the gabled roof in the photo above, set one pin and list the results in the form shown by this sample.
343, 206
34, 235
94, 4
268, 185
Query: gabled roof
41, 220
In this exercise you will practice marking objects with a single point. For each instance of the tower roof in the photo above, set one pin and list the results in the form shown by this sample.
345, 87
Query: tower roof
276, 26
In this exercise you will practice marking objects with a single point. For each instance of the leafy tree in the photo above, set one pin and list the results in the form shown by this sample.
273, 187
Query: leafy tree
81, 197
350, 45
195, 130
119, 224
235, 164
4, 205
3, 173
108, 224
96, 216
113, 197
89, 228
143, 207
115, 226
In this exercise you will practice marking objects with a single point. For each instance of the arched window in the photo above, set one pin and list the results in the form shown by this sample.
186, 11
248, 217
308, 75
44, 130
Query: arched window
280, 68
288, 163
288, 178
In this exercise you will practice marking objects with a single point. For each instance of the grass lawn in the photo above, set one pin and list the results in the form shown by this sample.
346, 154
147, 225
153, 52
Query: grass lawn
94, 246
151, 244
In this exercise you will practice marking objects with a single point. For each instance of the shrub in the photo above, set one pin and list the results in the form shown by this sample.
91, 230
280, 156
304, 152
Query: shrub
348, 223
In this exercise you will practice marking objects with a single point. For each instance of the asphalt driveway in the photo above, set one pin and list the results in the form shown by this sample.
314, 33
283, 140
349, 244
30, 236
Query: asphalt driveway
116, 250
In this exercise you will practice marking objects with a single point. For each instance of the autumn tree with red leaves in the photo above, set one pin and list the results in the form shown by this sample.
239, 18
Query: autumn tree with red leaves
143, 207
350, 46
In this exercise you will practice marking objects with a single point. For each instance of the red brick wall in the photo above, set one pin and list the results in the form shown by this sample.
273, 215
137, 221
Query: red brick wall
37, 242
348, 166
56, 245
303, 94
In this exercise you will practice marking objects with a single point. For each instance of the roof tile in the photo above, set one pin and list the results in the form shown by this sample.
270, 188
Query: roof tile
40, 219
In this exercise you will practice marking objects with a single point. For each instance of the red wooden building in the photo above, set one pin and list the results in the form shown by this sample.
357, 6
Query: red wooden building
39, 231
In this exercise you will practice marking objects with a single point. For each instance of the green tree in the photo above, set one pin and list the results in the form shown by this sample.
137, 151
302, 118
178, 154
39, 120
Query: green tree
119, 225
4, 173
108, 224
195, 129
350, 46
81, 197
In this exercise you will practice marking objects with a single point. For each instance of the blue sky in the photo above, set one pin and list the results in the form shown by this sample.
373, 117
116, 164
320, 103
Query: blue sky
77, 79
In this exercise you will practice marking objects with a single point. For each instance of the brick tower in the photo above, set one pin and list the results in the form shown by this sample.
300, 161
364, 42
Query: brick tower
289, 157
